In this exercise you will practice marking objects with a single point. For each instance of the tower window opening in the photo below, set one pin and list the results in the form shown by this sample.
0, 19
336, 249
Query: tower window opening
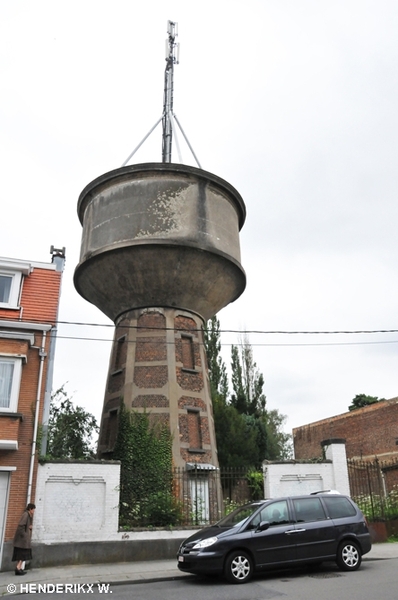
119, 354
111, 429
188, 356
194, 430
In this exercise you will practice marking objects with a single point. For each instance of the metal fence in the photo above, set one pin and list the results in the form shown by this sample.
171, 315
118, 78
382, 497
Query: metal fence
374, 487
199, 495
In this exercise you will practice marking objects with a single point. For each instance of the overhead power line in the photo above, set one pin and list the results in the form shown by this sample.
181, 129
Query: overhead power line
265, 344
235, 331
249, 331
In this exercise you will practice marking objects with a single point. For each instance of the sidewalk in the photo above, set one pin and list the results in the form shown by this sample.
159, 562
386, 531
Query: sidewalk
117, 573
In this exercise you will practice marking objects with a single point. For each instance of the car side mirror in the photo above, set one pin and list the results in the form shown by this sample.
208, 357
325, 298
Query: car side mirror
263, 526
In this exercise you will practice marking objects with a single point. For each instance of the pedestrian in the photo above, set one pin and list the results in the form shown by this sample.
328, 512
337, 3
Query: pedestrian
22, 539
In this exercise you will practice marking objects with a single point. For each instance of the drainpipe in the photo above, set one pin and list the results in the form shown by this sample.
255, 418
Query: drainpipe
58, 258
42, 354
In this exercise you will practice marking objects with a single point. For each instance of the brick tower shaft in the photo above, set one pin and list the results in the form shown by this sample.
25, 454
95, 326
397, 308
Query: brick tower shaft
158, 364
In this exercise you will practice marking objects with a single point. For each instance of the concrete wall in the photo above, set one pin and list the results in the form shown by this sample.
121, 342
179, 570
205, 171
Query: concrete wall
131, 546
76, 502
293, 478
77, 520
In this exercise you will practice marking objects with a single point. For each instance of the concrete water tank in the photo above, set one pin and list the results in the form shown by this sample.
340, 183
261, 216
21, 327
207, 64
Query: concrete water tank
160, 234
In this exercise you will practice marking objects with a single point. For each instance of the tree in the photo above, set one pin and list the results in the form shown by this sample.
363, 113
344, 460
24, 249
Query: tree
247, 381
236, 445
216, 366
279, 443
362, 400
249, 400
246, 432
70, 429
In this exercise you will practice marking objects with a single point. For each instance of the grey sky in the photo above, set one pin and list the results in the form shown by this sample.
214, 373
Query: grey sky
294, 102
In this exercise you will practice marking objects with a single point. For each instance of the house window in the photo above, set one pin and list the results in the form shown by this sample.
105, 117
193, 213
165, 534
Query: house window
9, 289
188, 357
5, 288
10, 378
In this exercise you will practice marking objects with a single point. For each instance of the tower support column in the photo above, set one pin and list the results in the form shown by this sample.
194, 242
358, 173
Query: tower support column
158, 365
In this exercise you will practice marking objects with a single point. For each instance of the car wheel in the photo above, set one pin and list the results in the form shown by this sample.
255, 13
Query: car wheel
349, 556
238, 567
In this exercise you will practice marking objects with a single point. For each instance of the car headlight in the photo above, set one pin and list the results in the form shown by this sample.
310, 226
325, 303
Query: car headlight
205, 543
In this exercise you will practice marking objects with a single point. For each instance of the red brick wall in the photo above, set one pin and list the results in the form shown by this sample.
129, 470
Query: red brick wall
369, 431
39, 304
24, 428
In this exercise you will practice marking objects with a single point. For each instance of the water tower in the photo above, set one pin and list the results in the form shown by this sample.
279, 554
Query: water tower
160, 256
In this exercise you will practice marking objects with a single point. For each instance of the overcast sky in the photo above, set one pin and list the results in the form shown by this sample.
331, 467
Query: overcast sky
293, 102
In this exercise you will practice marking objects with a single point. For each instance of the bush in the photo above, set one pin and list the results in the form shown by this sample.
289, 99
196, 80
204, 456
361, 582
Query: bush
379, 508
163, 509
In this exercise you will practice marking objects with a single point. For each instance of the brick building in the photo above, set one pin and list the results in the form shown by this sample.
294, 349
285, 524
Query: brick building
370, 431
29, 300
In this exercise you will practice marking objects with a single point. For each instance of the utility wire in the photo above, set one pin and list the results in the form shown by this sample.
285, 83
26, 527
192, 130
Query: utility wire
226, 331
235, 331
151, 341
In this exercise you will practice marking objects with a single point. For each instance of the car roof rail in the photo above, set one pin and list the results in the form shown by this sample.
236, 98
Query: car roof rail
324, 492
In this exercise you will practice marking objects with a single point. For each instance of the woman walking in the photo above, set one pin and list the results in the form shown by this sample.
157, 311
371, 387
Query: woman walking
22, 539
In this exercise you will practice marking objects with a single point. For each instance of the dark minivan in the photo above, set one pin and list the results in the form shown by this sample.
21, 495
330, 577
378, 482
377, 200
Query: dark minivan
279, 532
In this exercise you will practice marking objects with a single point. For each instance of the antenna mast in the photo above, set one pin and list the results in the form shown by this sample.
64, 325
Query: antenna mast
168, 117
172, 51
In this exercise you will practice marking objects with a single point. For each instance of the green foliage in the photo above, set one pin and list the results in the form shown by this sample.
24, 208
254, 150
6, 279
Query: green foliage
146, 478
70, 429
246, 432
238, 398
255, 480
230, 505
247, 381
362, 400
379, 508
279, 443
236, 439
217, 370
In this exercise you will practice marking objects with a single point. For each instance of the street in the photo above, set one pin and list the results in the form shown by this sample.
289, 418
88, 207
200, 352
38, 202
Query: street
375, 579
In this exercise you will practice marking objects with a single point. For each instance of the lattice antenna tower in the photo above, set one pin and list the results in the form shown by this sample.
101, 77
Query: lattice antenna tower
168, 117
172, 58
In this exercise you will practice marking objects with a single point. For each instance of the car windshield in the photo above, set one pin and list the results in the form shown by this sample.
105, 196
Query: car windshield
239, 515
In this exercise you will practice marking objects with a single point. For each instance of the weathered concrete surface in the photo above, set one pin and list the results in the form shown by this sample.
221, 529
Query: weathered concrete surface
160, 234
75, 553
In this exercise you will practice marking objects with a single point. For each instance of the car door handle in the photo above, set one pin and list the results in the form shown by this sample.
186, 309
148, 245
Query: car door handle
294, 531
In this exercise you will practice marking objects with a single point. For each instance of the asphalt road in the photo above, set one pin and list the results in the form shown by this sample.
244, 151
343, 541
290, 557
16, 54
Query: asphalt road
375, 579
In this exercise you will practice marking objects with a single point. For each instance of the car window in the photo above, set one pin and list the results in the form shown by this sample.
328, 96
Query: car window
275, 513
308, 509
339, 507
239, 515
